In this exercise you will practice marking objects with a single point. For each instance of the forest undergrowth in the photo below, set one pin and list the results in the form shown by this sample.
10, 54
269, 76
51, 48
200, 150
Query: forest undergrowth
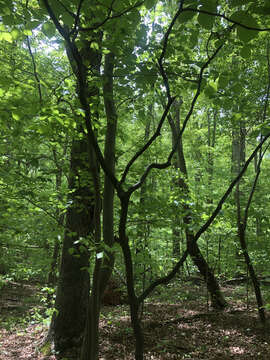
178, 324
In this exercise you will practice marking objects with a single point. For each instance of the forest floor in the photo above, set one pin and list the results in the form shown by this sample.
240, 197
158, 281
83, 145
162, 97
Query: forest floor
177, 324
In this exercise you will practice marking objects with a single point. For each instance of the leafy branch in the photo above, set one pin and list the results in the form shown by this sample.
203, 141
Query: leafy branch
222, 16
166, 110
193, 103
229, 190
111, 17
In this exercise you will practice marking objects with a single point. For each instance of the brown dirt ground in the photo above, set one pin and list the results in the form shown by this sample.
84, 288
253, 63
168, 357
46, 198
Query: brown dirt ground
185, 329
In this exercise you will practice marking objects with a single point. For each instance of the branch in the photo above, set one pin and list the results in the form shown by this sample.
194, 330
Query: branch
74, 31
169, 103
168, 162
261, 154
66, 9
40, 207
165, 279
82, 94
229, 190
164, 48
109, 17
253, 189
57, 24
226, 18
34, 63
149, 142
34, 69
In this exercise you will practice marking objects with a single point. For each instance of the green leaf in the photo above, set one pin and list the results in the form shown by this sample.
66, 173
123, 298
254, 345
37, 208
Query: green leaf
235, 3
8, 20
27, 32
209, 91
265, 130
223, 80
48, 29
246, 35
32, 25
15, 116
206, 21
5, 10
71, 251
191, 2
246, 19
208, 5
186, 16
136, 17
6, 37
149, 4
15, 33
245, 52
67, 19
260, 10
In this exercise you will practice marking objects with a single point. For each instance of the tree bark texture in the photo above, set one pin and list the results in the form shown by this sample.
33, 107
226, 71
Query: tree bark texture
73, 286
103, 266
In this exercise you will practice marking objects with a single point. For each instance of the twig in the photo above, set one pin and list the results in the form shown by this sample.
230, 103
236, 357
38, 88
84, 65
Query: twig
109, 17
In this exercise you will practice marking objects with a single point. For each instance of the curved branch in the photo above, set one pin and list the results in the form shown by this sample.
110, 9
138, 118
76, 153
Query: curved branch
164, 280
253, 189
149, 142
193, 103
111, 17
229, 190
222, 16
164, 49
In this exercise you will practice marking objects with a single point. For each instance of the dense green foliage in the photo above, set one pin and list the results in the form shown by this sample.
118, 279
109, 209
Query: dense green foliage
204, 63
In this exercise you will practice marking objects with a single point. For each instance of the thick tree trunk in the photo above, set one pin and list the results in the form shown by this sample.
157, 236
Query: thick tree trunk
104, 264
73, 287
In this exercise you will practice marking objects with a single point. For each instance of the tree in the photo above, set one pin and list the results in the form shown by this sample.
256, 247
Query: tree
115, 64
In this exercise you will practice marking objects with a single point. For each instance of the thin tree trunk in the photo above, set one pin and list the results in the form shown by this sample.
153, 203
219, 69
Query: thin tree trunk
252, 273
242, 218
133, 300
217, 298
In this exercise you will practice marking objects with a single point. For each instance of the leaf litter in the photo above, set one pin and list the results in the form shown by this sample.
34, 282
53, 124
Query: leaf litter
185, 329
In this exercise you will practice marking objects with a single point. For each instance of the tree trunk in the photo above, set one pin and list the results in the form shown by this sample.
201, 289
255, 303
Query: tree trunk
253, 276
133, 300
217, 298
52, 278
73, 287
242, 217
104, 263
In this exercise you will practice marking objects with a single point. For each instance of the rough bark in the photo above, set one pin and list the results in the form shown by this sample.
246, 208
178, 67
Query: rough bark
104, 265
73, 287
